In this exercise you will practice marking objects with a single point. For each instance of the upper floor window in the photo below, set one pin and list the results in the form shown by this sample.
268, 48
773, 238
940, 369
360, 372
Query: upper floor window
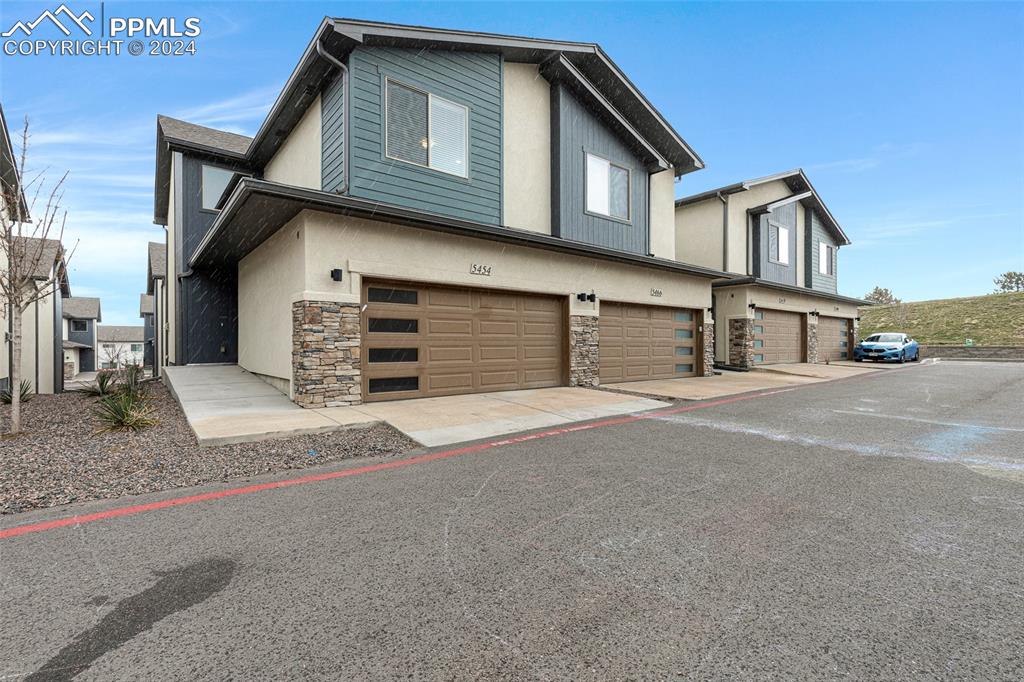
778, 244
607, 188
79, 326
136, 347
215, 180
825, 259
427, 130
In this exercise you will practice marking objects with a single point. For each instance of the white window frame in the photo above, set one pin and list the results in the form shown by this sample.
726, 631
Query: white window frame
430, 99
202, 184
782, 257
628, 220
825, 259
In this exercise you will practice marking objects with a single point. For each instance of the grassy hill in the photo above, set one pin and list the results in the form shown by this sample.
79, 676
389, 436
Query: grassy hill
993, 320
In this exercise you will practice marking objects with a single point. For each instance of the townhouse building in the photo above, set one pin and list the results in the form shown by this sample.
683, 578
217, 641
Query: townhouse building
780, 245
431, 212
81, 316
120, 345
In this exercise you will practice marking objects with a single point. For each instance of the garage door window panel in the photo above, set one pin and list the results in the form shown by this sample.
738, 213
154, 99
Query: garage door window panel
391, 295
388, 325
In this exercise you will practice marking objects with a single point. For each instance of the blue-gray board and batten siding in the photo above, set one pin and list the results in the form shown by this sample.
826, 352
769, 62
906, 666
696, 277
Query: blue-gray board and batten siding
764, 244
816, 234
86, 356
207, 326
472, 79
332, 136
576, 131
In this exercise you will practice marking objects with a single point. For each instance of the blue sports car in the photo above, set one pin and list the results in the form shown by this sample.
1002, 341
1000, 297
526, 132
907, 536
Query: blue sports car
890, 347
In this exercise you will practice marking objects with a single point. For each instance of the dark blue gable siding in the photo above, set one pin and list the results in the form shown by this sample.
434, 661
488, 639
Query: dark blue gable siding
578, 131
472, 79
86, 357
817, 234
332, 136
763, 245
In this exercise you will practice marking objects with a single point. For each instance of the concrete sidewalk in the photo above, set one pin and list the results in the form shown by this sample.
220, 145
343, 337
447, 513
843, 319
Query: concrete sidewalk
732, 383
225, 404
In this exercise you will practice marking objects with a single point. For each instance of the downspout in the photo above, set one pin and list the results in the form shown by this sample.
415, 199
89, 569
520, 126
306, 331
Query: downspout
725, 231
345, 113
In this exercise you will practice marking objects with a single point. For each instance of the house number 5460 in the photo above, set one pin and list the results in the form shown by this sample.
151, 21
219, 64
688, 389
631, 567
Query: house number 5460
477, 269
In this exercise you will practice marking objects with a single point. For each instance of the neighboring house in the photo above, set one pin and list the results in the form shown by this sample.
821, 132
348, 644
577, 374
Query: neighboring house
147, 313
155, 272
120, 346
14, 206
429, 212
780, 243
81, 317
42, 355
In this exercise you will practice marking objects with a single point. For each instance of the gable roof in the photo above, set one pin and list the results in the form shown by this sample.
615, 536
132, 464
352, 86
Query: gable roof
173, 134
42, 254
797, 182
156, 264
584, 66
11, 185
120, 333
145, 305
82, 308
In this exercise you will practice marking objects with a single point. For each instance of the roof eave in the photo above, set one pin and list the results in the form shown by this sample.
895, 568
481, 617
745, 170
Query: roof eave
756, 281
341, 204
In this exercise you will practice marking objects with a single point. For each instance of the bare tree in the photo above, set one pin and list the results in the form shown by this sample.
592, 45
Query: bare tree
31, 253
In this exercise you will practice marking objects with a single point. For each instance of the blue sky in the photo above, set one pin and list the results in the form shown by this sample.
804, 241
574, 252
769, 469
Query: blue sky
907, 117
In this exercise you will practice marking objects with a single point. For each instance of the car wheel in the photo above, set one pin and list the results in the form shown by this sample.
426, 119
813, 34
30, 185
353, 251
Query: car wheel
858, 359
903, 357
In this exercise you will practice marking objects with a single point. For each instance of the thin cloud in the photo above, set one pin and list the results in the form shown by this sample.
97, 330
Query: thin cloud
247, 107
876, 157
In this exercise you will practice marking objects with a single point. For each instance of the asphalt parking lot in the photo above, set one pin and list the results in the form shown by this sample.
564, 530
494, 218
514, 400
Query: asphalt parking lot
870, 528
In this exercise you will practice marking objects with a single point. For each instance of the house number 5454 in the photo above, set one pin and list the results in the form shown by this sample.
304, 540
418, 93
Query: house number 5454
477, 269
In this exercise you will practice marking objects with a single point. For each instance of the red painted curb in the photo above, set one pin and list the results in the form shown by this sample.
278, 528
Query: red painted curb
383, 466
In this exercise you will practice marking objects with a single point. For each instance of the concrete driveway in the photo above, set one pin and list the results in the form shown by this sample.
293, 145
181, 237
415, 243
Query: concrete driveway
226, 404
863, 529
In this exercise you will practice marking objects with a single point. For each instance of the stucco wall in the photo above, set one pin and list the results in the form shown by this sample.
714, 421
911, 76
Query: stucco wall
526, 145
371, 248
44, 340
734, 302
269, 279
663, 208
699, 233
738, 205
297, 161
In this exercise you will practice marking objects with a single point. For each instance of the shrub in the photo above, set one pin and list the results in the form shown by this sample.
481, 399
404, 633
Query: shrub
133, 381
106, 384
124, 411
26, 393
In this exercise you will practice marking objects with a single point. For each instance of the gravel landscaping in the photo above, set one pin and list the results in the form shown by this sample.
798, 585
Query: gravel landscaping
60, 458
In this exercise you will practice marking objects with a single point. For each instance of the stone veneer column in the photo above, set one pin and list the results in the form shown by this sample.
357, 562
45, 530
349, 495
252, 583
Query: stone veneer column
584, 359
709, 347
741, 342
69, 370
812, 338
325, 354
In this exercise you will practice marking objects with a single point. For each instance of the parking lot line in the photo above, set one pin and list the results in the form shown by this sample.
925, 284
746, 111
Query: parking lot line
396, 464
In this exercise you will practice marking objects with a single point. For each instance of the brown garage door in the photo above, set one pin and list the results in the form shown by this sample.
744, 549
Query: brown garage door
778, 337
421, 341
640, 342
833, 338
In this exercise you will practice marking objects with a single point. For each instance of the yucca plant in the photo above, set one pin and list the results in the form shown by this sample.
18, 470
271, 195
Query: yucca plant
124, 412
25, 394
133, 381
106, 384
